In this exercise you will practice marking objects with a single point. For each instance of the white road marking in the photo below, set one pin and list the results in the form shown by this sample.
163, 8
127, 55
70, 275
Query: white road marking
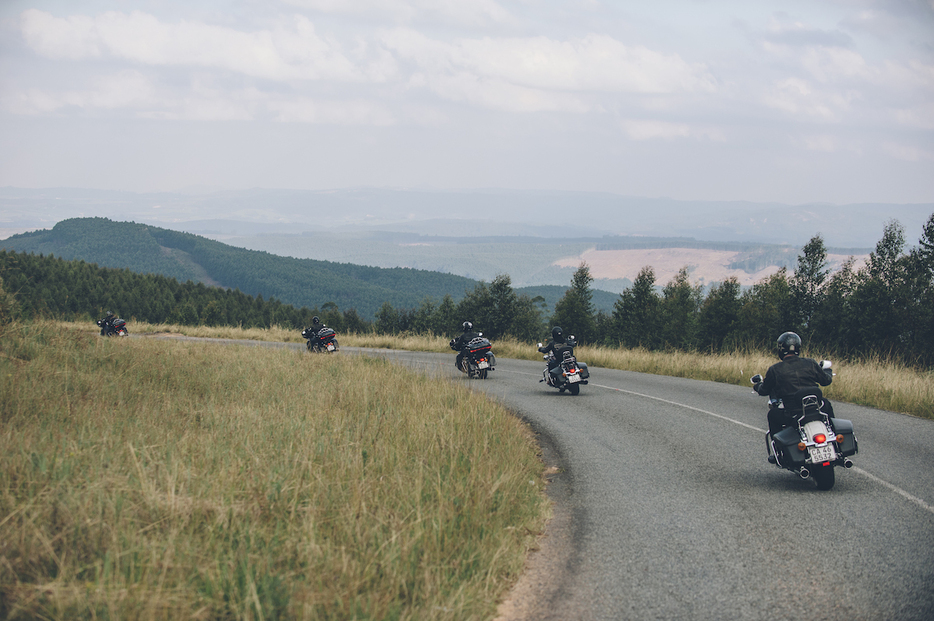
869, 476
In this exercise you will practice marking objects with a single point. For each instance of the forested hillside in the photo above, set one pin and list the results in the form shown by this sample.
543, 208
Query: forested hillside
48, 286
183, 256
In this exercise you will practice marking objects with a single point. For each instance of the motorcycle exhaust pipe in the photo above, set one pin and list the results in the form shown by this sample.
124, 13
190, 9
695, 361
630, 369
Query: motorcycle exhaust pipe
847, 464
804, 473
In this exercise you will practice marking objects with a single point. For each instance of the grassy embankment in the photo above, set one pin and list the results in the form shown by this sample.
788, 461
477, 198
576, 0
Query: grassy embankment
876, 383
145, 478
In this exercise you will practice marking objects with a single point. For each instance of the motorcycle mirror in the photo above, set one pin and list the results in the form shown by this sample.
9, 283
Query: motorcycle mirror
539, 344
571, 337
755, 379
480, 333
826, 364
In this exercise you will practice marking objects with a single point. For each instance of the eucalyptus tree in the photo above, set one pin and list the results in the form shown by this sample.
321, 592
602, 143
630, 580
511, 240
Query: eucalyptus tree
635, 313
574, 312
879, 302
719, 315
678, 312
807, 293
765, 311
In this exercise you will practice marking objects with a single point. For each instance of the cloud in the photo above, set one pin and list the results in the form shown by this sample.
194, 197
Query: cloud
596, 63
797, 34
907, 153
121, 90
797, 96
646, 129
292, 51
469, 13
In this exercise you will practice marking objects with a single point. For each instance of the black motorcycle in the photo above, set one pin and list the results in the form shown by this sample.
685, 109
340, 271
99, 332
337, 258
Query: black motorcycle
815, 444
478, 359
324, 340
563, 371
112, 326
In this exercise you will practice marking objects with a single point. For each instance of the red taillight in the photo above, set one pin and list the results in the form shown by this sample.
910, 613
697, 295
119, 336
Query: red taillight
820, 438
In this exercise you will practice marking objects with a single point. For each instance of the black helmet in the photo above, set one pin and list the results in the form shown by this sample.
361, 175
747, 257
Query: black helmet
315, 319
789, 343
467, 326
557, 333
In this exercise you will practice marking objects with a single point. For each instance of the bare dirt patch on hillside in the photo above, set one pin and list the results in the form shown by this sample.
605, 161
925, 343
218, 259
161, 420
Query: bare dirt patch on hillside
704, 266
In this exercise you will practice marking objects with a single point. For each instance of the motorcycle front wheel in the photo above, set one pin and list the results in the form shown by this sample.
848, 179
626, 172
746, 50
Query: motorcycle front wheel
824, 477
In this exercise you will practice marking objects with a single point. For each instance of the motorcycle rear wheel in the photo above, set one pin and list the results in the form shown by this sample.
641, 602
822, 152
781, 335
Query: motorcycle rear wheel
824, 477
574, 389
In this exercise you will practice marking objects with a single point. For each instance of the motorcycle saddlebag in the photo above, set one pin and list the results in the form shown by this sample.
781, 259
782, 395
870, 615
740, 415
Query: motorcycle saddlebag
585, 372
845, 428
786, 441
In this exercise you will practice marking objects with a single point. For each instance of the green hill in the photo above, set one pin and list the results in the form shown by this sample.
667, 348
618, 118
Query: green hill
301, 282
310, 283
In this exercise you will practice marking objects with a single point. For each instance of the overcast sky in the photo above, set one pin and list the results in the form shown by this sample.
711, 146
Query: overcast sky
763, 100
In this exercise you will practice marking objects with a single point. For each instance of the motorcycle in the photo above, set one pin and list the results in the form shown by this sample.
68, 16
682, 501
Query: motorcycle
324, 340
112, 326
478, 359
568, 374
814, 444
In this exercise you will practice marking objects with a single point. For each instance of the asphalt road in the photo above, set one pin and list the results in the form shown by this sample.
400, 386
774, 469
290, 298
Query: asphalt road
671, 510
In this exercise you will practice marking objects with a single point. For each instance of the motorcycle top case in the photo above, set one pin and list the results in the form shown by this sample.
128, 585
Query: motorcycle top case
325, 333
479, 345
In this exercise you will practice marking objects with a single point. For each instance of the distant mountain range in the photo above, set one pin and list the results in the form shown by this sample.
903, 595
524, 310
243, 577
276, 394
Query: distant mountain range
465, 213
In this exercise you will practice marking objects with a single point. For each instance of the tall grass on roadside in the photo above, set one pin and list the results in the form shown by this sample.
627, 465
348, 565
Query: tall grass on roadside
157, 479
874, 382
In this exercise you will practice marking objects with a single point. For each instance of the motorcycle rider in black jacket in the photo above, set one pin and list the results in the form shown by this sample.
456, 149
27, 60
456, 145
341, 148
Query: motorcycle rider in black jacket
555, 346
787, 377
460, 343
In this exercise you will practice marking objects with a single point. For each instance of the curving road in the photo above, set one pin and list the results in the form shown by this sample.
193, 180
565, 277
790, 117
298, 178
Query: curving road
667, 509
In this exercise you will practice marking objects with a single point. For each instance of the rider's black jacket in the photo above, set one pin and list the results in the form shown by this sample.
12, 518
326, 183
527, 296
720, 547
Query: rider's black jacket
314, 329
557, 348
793, 373
460, 342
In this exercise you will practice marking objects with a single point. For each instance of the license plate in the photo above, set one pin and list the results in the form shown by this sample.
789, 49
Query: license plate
483, 364
820, 454
330, 346
574, 378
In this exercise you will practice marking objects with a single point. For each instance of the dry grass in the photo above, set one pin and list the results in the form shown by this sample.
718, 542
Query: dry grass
875, 382
153, 479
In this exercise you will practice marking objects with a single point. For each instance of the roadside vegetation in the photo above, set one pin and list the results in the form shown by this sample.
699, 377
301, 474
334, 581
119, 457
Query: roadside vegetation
876, 382
160, 479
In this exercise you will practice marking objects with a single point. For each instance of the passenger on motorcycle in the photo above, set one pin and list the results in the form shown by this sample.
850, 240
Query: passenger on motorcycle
459, 344
787, 377
555, 346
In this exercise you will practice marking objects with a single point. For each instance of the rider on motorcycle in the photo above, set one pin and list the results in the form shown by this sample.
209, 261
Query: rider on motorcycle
460, 343
316, 326
107, 323
787, 377
555, 346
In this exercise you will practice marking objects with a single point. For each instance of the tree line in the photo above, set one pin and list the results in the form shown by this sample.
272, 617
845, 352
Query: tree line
884, 307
